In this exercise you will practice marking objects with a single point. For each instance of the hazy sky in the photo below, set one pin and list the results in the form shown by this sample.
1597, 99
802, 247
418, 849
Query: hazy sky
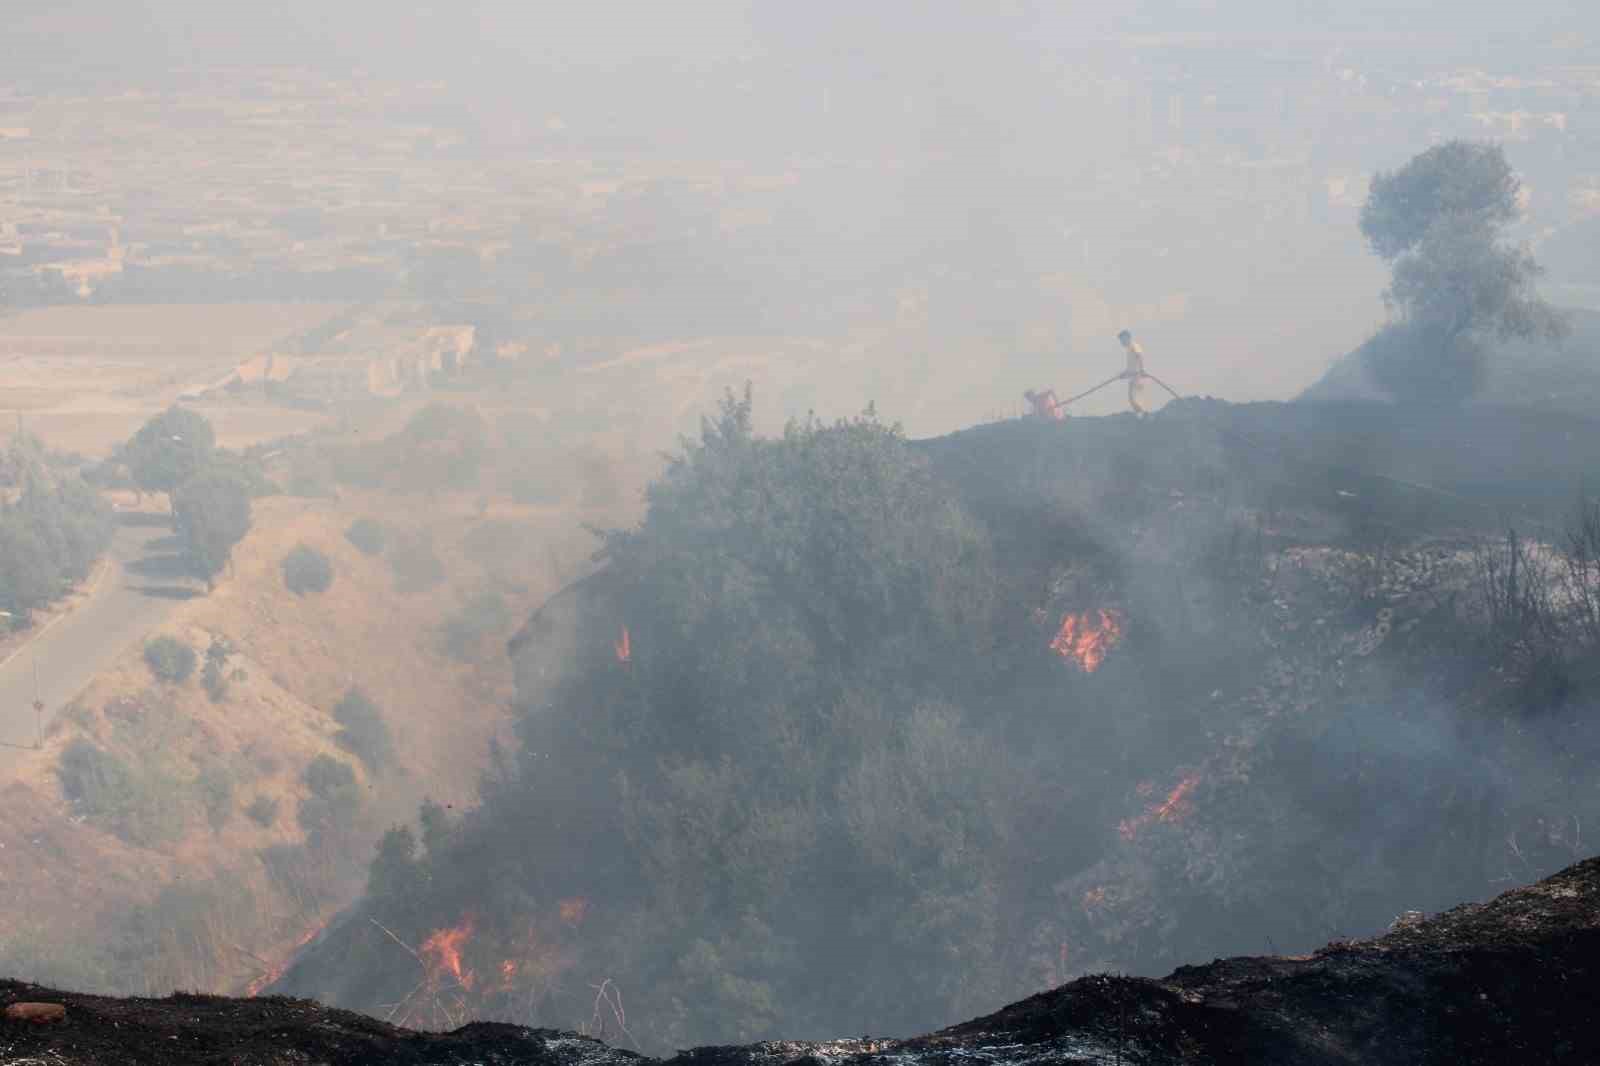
1053, 147
146, 34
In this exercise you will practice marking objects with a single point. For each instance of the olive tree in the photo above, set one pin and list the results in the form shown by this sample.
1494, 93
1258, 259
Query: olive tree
169, 449
211, 512
1456, 282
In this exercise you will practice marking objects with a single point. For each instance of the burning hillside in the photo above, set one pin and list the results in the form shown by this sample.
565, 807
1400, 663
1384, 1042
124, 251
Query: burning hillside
1509, 981
1085, 638
923, 728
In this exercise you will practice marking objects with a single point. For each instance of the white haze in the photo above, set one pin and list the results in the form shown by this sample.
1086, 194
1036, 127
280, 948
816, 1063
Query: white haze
1007, 184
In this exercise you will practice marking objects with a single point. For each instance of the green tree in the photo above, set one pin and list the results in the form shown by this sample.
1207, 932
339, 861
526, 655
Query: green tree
395, 880
211, 512
215, 674
169, 658
1460, 182
804, 612
29, 577
363, 731
334, 799
169, 449
441, 447
367, 535
306, 570
1456, 282
50, 535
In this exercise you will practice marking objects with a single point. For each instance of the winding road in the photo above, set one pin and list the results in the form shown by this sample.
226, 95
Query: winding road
137, 585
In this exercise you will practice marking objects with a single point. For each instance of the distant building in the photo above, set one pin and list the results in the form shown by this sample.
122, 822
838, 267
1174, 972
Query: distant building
374, 360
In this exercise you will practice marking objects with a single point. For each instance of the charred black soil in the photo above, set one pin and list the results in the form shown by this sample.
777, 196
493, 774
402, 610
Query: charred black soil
1510, 981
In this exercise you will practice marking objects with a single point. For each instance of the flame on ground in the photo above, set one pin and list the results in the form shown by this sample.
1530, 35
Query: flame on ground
442, 952
1176, 805
572, 910
1084, 638
624, 647
1174, 808
269, 978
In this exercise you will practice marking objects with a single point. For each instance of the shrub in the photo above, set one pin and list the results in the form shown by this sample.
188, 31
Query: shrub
367, 535
306, 570
335, 798
133, 801
364, 733
441, 447
94, 781
170, 659
263, 811
216, 795
215, 680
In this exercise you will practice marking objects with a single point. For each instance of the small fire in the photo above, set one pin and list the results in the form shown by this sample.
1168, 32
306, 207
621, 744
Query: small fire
1174, 808
508, 974
624, 647
573, 910
1083, 641
442, 949
266, 980
1177, 803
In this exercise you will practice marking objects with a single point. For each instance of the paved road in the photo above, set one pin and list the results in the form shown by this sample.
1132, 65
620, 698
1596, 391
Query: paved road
136, 588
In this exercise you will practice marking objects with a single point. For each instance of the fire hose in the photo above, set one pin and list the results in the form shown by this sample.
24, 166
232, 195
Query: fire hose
1121, 377
1261, 445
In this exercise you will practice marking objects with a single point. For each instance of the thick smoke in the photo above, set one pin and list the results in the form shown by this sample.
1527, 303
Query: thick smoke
879, 723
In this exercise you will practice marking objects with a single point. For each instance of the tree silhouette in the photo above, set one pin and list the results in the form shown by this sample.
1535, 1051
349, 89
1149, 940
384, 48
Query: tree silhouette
1456, 282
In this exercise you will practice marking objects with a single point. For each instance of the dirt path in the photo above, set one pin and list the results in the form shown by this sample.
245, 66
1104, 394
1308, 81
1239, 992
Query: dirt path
137, 586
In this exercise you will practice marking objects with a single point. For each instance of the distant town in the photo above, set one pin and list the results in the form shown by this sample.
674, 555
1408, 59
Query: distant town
567, 233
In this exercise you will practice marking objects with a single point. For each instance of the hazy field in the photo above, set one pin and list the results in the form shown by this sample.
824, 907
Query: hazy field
84, 378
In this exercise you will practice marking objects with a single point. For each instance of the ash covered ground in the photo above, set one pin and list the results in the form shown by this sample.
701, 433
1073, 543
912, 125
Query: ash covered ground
1511, 980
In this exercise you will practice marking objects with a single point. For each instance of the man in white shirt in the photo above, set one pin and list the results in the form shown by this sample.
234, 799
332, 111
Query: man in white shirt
1135, 372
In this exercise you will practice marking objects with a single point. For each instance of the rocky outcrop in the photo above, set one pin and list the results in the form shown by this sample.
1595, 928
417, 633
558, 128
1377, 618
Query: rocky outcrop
1509, 981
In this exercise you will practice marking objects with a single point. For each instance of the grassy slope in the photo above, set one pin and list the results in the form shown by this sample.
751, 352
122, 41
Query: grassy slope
299, 655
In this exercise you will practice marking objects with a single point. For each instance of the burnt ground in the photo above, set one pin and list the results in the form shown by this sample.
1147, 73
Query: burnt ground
1516, 980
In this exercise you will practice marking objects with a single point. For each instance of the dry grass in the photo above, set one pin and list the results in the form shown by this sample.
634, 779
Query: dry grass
299, 655
85, 378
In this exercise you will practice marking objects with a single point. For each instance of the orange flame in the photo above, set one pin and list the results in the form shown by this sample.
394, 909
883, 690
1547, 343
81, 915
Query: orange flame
1177, 802
573, 910
1085, 643
1174, 808
266, 980
624, 647
442, 949
508, 974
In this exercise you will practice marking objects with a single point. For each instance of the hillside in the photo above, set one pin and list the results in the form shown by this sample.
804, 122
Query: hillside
163, 825
1506, 981
1561, 375
957, 720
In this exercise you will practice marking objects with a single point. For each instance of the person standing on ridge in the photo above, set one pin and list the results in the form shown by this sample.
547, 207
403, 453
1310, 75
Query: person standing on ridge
1135, 372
